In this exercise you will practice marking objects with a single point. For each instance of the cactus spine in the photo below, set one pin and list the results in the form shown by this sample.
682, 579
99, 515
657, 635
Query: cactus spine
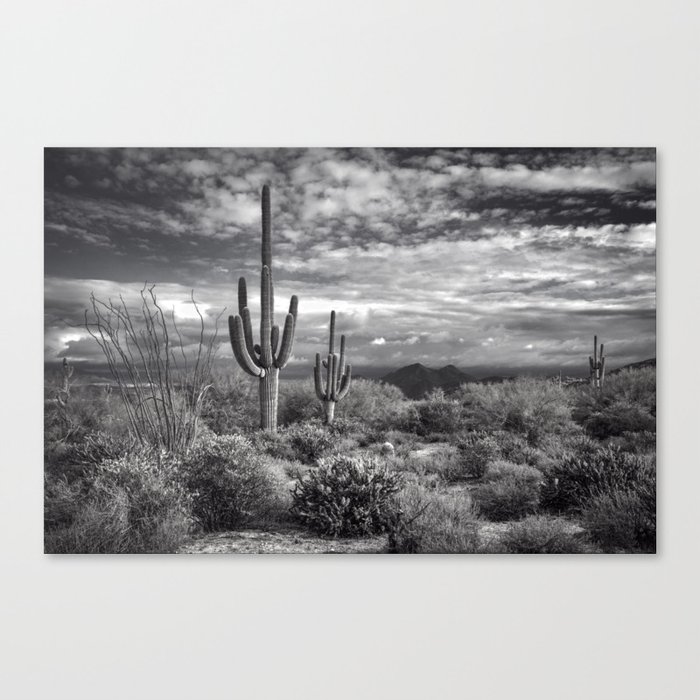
338, 375
597, 365
264, 360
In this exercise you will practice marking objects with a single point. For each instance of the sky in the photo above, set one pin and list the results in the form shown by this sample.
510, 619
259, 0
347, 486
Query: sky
494, 260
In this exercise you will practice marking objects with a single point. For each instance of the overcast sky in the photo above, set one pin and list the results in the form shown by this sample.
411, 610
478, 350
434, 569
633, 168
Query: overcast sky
490, 259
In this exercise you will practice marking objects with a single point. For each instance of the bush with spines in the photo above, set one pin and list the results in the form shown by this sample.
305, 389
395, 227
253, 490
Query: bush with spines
346, 496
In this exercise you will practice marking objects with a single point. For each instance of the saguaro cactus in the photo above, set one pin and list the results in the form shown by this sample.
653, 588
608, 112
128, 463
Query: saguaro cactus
66, 374
597, 364
265, 360
338, 375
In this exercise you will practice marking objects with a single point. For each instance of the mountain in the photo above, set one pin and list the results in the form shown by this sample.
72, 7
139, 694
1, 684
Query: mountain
417, 380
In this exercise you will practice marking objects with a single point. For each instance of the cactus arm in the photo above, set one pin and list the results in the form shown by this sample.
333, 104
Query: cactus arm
236, 334
345, 383
602, 369
294, 306
266, 235
274, 338
318, 381
341, 363
265, 320
595, 350
331, 339
334, 377
287, 342
590, 362
248, 331
242, 295
329, 376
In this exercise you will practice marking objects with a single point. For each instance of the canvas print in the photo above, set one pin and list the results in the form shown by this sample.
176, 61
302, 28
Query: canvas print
350, 350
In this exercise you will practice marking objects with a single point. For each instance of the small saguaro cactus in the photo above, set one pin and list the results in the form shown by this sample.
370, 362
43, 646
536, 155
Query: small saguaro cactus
66, 374
338, 375
265, 360
597, 364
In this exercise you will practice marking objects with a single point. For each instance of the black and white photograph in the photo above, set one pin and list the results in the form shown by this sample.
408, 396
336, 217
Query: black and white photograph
350, 350
403, 296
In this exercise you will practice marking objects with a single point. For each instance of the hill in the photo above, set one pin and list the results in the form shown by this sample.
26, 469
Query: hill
651, 362
417, 380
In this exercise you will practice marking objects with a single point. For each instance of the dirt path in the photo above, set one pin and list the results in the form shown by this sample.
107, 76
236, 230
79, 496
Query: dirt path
280, 542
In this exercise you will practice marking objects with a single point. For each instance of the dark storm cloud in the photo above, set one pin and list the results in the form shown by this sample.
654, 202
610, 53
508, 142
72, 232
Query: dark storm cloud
511, 256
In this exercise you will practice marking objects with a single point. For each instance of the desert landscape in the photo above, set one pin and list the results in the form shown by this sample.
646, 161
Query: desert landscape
187, 437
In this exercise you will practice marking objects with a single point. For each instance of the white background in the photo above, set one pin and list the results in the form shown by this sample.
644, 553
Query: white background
502, 73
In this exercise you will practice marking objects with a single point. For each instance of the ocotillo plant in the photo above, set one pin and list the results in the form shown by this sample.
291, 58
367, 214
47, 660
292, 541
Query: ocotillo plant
597, 364
338, 375
264, 360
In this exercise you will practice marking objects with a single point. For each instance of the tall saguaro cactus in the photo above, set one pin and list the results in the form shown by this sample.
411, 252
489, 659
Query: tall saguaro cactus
597, 364
338, 375
265, 360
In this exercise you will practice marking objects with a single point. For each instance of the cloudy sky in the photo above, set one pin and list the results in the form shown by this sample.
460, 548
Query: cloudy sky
489, 259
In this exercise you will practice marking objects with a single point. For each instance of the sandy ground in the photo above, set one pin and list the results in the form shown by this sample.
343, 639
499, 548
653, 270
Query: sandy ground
280, 542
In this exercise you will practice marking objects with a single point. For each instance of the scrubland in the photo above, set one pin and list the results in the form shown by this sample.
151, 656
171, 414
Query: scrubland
525, 466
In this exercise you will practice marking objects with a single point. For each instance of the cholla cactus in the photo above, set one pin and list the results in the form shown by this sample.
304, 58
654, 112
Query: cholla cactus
338, 375
597, 364
266, 359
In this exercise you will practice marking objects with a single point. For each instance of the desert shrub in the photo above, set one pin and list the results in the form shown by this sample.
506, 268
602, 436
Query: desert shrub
513, 447
134, 505
578, 477
309, 441
623, 519
501, 469
475, 450
436, 414
511, 497
231, 483
298, 402
527, 406
540, 534
346, 426
641, 442
383, 406
429, 522
626, 403
231, 404
346, 496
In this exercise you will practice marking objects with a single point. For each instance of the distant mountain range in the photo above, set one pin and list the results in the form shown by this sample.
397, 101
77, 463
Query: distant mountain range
417, 380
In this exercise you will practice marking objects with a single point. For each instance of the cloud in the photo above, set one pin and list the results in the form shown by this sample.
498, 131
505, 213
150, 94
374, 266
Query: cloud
608, 177
434, 255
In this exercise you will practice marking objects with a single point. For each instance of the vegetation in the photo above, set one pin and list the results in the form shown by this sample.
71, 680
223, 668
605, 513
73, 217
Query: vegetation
170, 449
230, 483
346, 497
264, 360
338, 375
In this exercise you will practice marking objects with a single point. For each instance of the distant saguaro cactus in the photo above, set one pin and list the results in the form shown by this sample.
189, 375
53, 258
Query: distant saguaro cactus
597, 364
66, 374
264, 360
338, 375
